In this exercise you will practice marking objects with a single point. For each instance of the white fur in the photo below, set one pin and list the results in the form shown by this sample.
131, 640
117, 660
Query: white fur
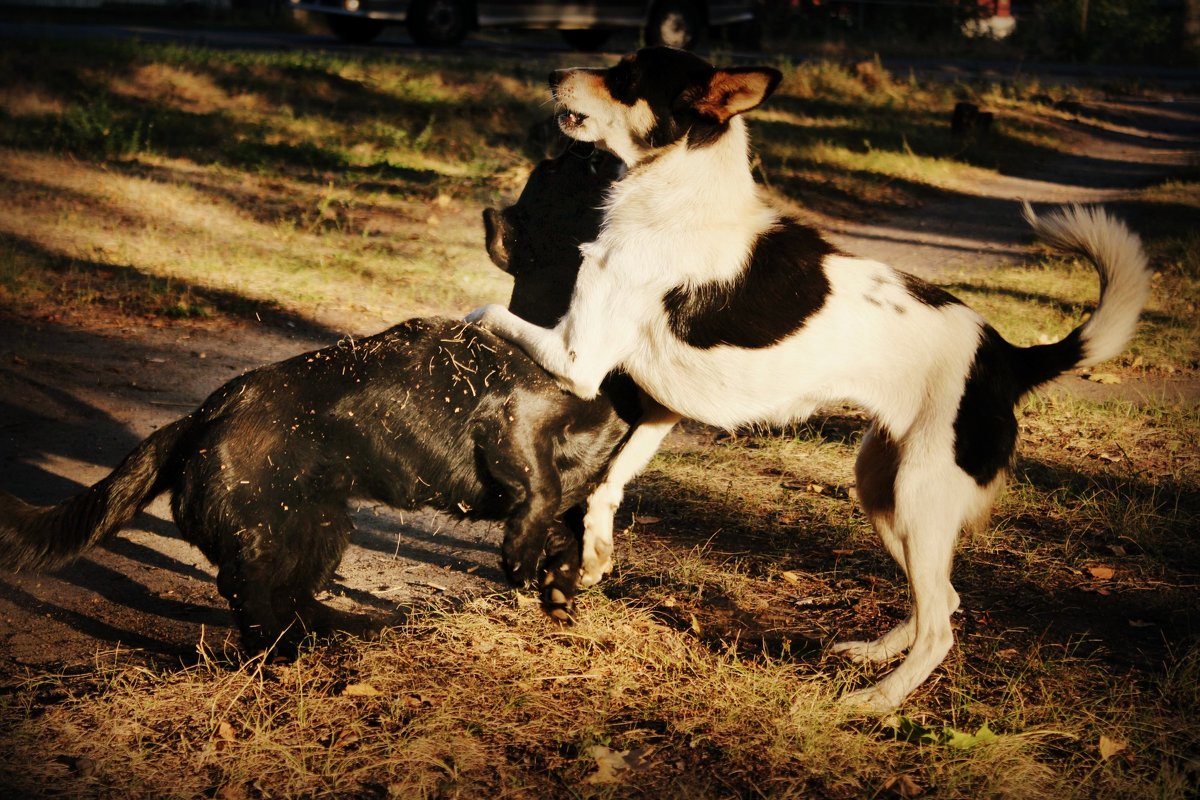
691, 216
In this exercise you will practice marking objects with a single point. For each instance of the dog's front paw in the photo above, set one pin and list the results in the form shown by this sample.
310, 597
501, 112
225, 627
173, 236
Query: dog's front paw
481, 315
558, 592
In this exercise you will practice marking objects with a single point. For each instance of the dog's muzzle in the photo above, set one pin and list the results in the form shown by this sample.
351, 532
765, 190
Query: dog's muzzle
568, 119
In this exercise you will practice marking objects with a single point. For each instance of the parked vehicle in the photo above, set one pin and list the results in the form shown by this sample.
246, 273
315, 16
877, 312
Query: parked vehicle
585, 25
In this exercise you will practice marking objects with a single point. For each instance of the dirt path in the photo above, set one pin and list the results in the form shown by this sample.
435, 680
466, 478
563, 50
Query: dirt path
1138, 143
74, 400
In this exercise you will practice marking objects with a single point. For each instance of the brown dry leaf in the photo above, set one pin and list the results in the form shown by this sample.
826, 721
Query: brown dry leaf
841, 552
903, 786
790, 576
614, 766
646, 520
1110, 747
225, 731
1103, 377
232, 791
1101, 572
360, 690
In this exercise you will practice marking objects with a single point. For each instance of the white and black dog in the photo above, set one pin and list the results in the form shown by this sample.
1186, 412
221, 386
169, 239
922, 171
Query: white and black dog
728, 313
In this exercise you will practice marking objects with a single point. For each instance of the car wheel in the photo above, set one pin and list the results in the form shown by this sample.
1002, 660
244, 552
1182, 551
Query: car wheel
356, 30
586, 39
675, 23
438, 23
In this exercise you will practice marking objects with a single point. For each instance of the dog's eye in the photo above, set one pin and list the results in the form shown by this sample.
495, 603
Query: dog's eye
620, 81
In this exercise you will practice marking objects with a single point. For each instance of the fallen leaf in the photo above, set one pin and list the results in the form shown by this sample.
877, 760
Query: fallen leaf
903, 786
638, 518
613, 766
1101, 572
843, 552
232, 791
790, 576
1103, 377
1110, 747
965, 741
225, 731
360, 690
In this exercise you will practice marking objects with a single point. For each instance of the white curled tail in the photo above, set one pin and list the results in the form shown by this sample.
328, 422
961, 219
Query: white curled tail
1117, 254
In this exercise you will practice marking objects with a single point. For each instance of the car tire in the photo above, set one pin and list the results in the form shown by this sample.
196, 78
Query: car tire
355, 30
675, 23
438, 23
586, 39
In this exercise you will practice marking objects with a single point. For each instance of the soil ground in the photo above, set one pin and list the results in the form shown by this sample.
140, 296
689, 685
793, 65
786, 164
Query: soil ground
75, 398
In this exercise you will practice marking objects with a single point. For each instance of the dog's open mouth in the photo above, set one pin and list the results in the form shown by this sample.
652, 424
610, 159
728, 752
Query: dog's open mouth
568, 119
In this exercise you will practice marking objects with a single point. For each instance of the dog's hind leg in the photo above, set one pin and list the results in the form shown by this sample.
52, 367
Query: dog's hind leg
875, 475
602, 504
318, 537
932, 499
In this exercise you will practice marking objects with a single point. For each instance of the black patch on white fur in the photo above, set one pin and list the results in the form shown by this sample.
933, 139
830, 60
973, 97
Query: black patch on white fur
783, 285
985, 430
927, 293
670, 81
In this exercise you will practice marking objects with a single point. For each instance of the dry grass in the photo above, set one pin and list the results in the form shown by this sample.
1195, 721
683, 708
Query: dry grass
490, 701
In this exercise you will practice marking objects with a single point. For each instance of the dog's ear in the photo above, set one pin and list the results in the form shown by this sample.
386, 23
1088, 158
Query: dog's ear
496, 232
737, 90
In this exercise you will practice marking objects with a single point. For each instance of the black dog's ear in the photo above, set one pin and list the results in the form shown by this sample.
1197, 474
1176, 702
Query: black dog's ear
736, 90
496, 233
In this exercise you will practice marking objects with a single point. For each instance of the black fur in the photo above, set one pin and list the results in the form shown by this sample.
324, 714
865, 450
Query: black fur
669, 81
429, 413
985, 429
537, 239
782, 286
676, 78
927, 293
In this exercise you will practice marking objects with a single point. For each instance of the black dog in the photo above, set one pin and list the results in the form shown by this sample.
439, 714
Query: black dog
431, 412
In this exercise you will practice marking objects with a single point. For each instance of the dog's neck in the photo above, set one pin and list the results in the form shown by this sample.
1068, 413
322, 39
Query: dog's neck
689, 186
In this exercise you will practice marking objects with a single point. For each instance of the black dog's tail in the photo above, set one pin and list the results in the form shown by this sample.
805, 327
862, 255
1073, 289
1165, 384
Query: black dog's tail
46, 537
